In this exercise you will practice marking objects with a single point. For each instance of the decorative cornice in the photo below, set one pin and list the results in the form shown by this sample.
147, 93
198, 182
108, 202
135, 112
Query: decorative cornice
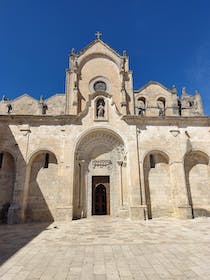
39, 119
171, 121
129, 119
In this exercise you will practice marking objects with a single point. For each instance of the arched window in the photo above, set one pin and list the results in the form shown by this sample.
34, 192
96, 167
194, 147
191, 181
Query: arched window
100, 86
161, 104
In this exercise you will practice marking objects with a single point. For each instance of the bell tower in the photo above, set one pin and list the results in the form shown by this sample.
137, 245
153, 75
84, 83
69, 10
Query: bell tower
98, 69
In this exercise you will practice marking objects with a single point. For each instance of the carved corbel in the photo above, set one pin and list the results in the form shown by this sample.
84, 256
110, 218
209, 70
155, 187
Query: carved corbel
25, 129
175, 132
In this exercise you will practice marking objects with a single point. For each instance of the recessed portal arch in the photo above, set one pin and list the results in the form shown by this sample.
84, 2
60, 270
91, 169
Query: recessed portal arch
197, 174
41, 187
157, 184
97, 154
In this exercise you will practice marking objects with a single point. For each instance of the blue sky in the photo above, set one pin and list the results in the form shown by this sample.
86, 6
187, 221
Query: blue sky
167, 41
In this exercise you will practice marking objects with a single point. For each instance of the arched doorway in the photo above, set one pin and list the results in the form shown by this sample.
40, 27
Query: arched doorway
99, 200
100, 195
96, 164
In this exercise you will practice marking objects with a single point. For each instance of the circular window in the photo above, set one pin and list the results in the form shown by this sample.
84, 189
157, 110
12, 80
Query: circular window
99, 86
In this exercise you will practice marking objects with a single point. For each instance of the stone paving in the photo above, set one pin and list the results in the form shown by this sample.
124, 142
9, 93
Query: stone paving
102, 248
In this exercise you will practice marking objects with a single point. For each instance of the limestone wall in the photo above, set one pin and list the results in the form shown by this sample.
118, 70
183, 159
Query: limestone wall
43, 189
27, 105
47, 193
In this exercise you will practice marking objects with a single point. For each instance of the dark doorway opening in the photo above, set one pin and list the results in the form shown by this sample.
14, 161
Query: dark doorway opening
100, 195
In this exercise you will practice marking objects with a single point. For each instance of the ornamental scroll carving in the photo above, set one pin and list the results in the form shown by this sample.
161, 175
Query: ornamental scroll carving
102, 164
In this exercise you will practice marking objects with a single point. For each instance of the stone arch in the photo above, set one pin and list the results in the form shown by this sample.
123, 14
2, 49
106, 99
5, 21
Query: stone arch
89, 57
7, 180
41, 187
157, 184
197, 175
33, 154
97, 153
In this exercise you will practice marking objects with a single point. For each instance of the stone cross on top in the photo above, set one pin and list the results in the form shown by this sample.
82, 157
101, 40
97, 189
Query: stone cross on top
98, 35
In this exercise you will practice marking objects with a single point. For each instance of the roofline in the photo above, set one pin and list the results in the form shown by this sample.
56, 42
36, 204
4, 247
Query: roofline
82, 51
151, 83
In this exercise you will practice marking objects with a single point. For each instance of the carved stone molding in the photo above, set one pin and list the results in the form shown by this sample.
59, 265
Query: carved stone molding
99, 142
102, 164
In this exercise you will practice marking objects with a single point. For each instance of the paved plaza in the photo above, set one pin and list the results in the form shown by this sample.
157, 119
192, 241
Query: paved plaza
102, 248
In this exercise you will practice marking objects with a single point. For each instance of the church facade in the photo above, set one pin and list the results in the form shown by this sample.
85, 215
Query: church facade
103, 148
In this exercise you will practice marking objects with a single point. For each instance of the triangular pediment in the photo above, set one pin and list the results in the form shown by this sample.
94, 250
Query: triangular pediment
25, 96
99, 48
97, 45
150, 84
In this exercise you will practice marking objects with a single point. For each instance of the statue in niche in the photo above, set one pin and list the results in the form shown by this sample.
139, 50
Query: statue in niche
141, 108
161, 107
100, 108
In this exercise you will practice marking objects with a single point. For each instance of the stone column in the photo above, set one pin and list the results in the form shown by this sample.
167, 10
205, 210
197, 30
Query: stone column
120, 163
123, 208
143, 201
82, 189
64, 206
179, 191
16, 210
123, 102
136, 209
182, 209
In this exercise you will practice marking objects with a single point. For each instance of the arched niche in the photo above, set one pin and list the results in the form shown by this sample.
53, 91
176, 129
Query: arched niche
157, 184
97, 157
161, 104
141, 106
42, 187
7, 179
100, 108
197, 174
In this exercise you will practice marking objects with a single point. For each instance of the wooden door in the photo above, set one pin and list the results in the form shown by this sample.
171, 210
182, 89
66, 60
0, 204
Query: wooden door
100, 195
